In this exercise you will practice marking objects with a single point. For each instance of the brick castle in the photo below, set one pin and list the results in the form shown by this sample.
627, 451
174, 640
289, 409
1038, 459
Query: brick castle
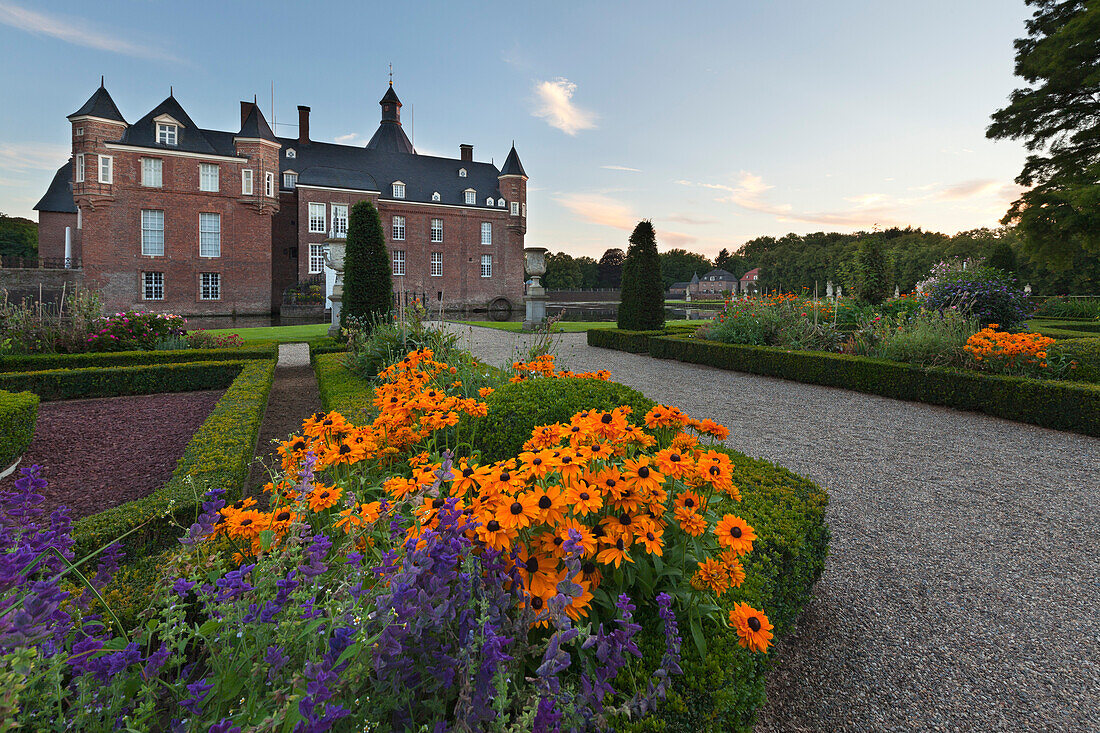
165, 215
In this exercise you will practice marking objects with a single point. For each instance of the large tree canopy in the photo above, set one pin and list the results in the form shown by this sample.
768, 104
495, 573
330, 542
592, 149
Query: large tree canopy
611, 268
1058, 118
678, 265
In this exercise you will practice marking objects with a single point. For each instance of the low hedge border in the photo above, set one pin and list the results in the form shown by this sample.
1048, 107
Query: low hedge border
341, 390
218, 456
1065, 333
325, 345
45, 362
1071, 406
1086, 352
18, 414
635, 342
68, 384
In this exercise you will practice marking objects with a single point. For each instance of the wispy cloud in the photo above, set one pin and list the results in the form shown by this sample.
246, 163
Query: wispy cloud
32, 156
621, 168
77, 31
350, 137
555, 105
969, 189
689, 219
599, 209
675, 239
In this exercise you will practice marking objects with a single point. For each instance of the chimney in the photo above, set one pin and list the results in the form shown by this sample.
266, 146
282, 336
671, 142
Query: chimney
466, 152
303, 124
246, 107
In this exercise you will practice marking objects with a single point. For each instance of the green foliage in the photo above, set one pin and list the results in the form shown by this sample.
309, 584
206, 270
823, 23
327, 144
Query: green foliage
1065, 329
868, 278
1086, 354
18, 236
387, 341
643, 296
791, 323
634, 342
562, 272
678, 265
1055, 116
368, 288
927, 338
1052, 404
218, 456
42, 362
1068, 308
1003, 258
325, 345
18, 414
34, 328
610, 268
68, 384
516, 408
342, 390
731, 263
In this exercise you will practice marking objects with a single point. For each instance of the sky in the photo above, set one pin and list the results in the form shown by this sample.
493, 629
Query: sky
719, 121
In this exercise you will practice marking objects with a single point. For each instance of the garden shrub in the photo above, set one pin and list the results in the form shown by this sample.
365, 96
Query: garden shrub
987, 294
643, 292
368, 284
134, 330
44, 362
515, 409
1062, 307
18, 414
635, 342
342, 390
218, 456
325, 345
867, 272
68, 384
1086, 352
926, 338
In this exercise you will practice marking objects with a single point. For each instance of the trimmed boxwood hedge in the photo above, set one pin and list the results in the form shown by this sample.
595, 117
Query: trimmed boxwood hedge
1071, 406
44, 362
341, 390
67, 384
636, 342
1086, 352
325, 345
219, 455
18, 414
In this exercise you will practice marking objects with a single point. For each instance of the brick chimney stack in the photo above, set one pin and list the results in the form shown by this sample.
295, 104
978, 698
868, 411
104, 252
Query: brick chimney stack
466, 152
303, 124
246, 107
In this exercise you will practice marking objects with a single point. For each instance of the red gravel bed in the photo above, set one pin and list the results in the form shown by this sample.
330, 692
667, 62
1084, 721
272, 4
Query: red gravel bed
100, 453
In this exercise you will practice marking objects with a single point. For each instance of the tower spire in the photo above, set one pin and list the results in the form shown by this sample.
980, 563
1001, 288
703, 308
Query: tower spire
391, 73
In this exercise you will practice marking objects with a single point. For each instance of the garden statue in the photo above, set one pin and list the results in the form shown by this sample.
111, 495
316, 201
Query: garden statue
334, 258
1027, 289
829, 289
897, 291
535, 299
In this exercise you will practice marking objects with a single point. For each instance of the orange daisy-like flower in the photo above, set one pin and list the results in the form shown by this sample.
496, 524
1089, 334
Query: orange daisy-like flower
588, 538
616, 551
496, 536
519, 513
583, 499
735, 568
672, 462
665, 417
537, 464
539, 572
245, 525
324, 497
399, 487
485, 392
690, 522
735, 534
551, 508
691, 501
578, 606
753, 628
641, 476
711, 574
653, 540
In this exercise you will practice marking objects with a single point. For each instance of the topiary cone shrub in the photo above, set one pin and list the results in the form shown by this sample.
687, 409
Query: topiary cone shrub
643, 293
368, 288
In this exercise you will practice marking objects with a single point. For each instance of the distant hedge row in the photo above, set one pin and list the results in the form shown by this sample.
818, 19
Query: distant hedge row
341, 390
18, 414
45, 362
219, 455
1072, 406
68, 384
325, 345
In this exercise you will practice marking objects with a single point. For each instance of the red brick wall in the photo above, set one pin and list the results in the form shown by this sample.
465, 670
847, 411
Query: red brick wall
51, 234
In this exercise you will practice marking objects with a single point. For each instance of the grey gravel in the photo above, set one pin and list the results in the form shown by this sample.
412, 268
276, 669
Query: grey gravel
293, 355
962, 592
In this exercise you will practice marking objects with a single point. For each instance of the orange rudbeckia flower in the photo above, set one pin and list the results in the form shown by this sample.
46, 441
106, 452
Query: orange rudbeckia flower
735, 534
753, 628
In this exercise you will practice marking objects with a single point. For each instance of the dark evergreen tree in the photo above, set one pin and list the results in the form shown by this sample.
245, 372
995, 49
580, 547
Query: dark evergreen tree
1003, 258
643, 298
368, 289
868, 275
611, 268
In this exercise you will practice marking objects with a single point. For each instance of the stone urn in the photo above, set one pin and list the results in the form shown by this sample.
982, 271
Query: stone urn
534, 262
334, 258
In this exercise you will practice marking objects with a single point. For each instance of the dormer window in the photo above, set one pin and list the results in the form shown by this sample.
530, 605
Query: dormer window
290, 153
471, 196
500, 203
436, 196
399, 190
489, 201
461, 172
290, 180
167, 134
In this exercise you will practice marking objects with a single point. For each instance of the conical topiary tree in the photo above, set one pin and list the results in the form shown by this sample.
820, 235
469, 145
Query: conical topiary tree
368, 289
643, 293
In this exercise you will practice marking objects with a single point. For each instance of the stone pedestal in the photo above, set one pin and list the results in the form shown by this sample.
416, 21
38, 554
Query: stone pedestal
535, 300
334, 258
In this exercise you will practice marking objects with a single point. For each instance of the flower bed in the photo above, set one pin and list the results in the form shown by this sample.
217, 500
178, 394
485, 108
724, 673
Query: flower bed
18, 413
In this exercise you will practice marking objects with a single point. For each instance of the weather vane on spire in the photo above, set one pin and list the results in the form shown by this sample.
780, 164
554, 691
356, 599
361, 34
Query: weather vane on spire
391, 74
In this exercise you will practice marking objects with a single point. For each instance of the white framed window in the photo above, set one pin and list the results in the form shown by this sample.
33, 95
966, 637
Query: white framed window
208, 177
435, 196
79, 132
339, 220
461, 172
106, 169
316, 218
290, 180
399, 229
399, 262
80, 167
167, 134
316, 258
152, 285
437, 264
152, 172
246, 182
210, 286
486, 265
471, 196
515, 208
290, 153
269, 184
489, 201
399, 190
210, 235
500, 203
486, 232
152, 232
437, 230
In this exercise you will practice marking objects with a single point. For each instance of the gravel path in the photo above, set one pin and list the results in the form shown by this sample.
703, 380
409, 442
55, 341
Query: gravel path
962, 592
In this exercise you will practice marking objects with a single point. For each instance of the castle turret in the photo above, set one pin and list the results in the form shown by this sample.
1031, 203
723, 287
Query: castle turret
513, 186
97, 122
389, 137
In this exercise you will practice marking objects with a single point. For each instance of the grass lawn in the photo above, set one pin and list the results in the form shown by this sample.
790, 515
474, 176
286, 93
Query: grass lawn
564, 326
282, 334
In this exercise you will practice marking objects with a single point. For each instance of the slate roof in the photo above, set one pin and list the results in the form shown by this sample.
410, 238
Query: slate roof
512, 166
390, 96
190, 137
100, 104
679, 286
720, 275
59, 196
255, 125
391, 138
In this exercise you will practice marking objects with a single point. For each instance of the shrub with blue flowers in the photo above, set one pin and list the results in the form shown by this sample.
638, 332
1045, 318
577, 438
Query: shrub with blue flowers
984, 293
